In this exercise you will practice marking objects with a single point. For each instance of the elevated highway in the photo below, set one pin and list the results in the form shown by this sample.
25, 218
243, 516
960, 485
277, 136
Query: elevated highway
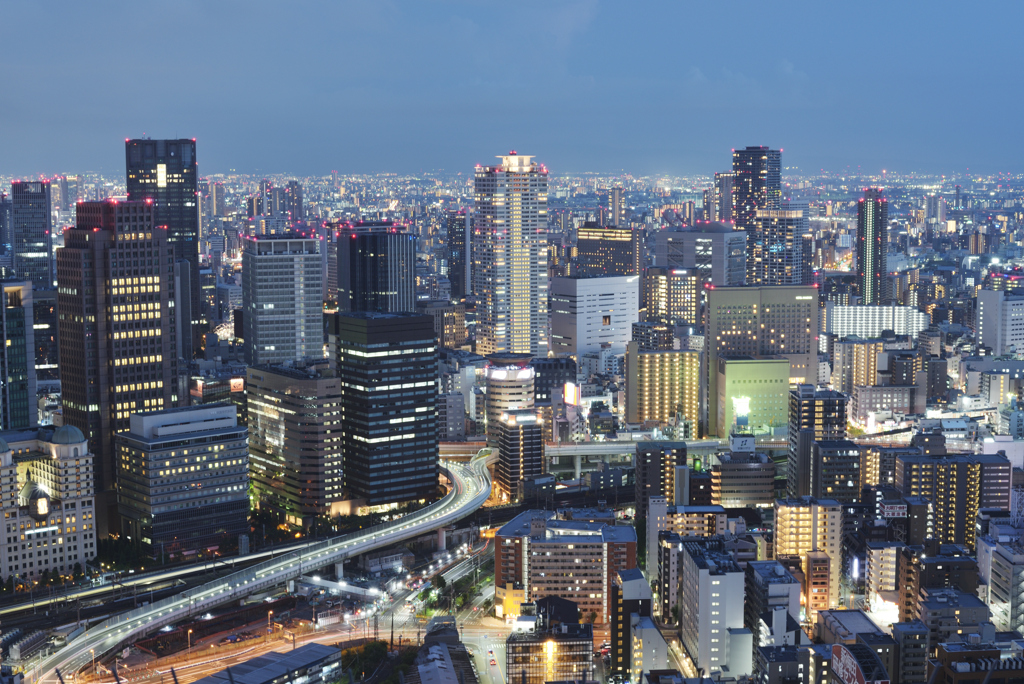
470, 488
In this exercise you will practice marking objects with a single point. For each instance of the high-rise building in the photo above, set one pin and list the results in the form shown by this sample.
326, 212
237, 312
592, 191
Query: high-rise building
510, 387
294, 201
533, 549
520, 443
616, 208
723, 204
510, 256
563, 652
660, 466
872, 247
812, 530
672, 295
388, 363
44, 324
30, 232
750, 395
997, 321
814, 415
769, 585
787, 247
183, 480
607, 250
49, 500
295, 442
654, 336
166, 172
958, 485
715, 251
835, 470
376, 268
218, 199
117, 329
282, 297
449, 321
779, 321
855, 363
743, 480
587, 313
457, 245
17, 358
630, 597
757, 185
662, 384
711, 602
6, 220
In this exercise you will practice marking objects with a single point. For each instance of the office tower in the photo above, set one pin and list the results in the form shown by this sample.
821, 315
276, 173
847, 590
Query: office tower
49, 500
768, 585
958, 485
388, 362
835, 470
660, 467
451, 417
750, 394
723, 202
661, 385
630, 596
653, 336
672, 296
757, 185
510, 256
711, 597
588, 313
787, 247
607, 250
762, 321
520, 452
294, 201
44, 324
183, 480
117, 329
449, 321
6, 220
282, 285
616, 208
812, 530
30, 234
715, 251
218, 199
551, 568
376, 268
18, 409
295, 442
166, 172
510, 387
996, 319
457, 245
872, 247
868, 322
814, 415
743, 480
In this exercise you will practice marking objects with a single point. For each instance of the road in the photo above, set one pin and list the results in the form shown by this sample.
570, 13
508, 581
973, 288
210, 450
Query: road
471, 486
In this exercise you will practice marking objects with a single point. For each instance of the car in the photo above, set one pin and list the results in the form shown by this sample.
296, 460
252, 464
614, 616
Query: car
493, 661
490, 651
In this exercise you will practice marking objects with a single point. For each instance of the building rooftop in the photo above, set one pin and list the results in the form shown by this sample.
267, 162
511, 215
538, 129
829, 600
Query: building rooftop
559, 531
273, 666
771, 572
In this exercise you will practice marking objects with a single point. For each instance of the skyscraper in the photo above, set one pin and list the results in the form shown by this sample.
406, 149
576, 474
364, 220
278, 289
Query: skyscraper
757, 184
295, 201
510, 256
388, 362
723, 197
872, 245
520, 452
116, 330
30, 232
6, 219
282, 297
166, 172
716, 251
376, 268
787, 247
17, 358
607, 251
616, 208
814, 415
456, 244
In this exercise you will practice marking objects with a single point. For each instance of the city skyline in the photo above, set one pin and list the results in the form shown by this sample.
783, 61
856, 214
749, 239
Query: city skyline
436, 101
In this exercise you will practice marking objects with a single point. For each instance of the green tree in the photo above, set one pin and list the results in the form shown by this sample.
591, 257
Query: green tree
439, 583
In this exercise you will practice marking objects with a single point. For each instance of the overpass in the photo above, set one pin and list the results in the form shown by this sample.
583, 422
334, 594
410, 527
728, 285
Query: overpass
470, 488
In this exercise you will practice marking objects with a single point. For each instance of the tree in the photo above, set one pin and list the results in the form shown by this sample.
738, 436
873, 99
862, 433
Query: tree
592, 617
439, 582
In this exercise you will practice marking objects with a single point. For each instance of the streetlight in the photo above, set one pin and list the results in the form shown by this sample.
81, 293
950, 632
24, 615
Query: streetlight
190, 644
93, 651
269, 615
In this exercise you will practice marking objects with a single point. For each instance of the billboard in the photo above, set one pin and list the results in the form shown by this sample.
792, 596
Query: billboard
846, 669
893, 510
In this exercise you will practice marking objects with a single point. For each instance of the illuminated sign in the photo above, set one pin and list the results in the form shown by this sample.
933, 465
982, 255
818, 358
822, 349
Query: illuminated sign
847, 670
572, 394
237, 384
893, 510
741, 406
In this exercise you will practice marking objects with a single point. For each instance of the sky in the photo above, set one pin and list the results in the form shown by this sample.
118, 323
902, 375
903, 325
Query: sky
643, 87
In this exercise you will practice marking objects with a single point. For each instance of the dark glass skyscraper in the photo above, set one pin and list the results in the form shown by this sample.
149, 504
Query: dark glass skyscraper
872, 243
117, 329
376, 268
165, 171
388, 364
6, 216
17, 358
30, 232
756, 185
456, 246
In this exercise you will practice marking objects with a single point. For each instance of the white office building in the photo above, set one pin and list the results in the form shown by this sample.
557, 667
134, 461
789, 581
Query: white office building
717, 251
587, 313
282, 297
1000, 321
